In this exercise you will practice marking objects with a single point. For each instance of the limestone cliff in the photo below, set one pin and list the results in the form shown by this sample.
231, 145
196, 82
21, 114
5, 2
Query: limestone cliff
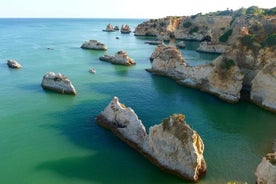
222, 77
246, 38
264, 87
173, 145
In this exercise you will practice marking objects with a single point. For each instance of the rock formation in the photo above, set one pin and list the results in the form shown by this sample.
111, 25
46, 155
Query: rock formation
13, 64
93, 45
109, 28
180, 44
266, 170
212, 48
173, 145
246, 38
120, 58
222, 77
58, 83
264, 87
125, 29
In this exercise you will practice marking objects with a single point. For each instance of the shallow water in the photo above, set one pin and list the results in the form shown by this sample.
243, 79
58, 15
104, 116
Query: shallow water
46, 137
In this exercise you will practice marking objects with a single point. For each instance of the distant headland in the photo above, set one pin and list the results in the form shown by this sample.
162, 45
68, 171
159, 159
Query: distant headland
246, 40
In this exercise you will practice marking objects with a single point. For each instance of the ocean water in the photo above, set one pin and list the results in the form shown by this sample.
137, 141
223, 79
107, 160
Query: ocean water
47, 137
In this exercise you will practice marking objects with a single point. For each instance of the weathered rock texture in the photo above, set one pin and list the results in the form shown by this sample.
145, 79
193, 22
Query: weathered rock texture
125, 29
120, 58
264, 87
266, 170
212, 48
93, 45
173, 145
247, 40
109, 28
185, 28
58, 83
222, 77
13, 64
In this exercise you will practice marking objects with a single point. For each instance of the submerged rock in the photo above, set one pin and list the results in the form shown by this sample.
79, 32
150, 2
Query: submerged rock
58, 83
222, 77
93, 45
13, 64
120, 58
173, 145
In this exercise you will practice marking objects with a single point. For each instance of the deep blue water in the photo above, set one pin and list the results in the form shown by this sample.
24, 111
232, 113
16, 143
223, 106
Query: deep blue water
47, 138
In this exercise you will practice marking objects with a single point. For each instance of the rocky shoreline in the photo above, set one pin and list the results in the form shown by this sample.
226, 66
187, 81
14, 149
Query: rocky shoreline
246, 44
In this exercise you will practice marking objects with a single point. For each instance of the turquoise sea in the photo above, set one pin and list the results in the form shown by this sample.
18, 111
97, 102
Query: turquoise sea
47, 137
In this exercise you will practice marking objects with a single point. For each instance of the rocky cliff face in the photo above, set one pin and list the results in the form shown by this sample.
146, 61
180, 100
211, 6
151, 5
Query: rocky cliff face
247, 40
222, 77
264, 87
185, 28
173, 145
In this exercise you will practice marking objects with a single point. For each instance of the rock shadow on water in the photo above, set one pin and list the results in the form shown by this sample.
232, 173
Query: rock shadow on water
102, 168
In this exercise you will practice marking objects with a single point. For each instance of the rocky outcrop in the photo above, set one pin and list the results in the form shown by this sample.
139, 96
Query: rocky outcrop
120, 58
180, 44
266, 170
13, 64
58, 83
158, 27
125, 29
109, 28
264, 87
222, 77
93, 45
173, 145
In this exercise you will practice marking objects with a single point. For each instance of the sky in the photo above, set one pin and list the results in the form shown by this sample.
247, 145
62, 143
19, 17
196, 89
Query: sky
120, 8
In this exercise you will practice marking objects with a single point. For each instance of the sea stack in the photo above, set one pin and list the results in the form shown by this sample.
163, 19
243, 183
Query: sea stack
93, 45
58, 83
172, 145
120, 58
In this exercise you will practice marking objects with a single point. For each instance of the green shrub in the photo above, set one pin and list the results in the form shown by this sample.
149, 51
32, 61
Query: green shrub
225, 36
187, 24
194, 30
255, 10
271, 40
226, 64
271, 11
248, 40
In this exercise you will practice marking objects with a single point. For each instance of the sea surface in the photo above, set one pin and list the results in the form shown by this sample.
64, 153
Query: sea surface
46, 137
